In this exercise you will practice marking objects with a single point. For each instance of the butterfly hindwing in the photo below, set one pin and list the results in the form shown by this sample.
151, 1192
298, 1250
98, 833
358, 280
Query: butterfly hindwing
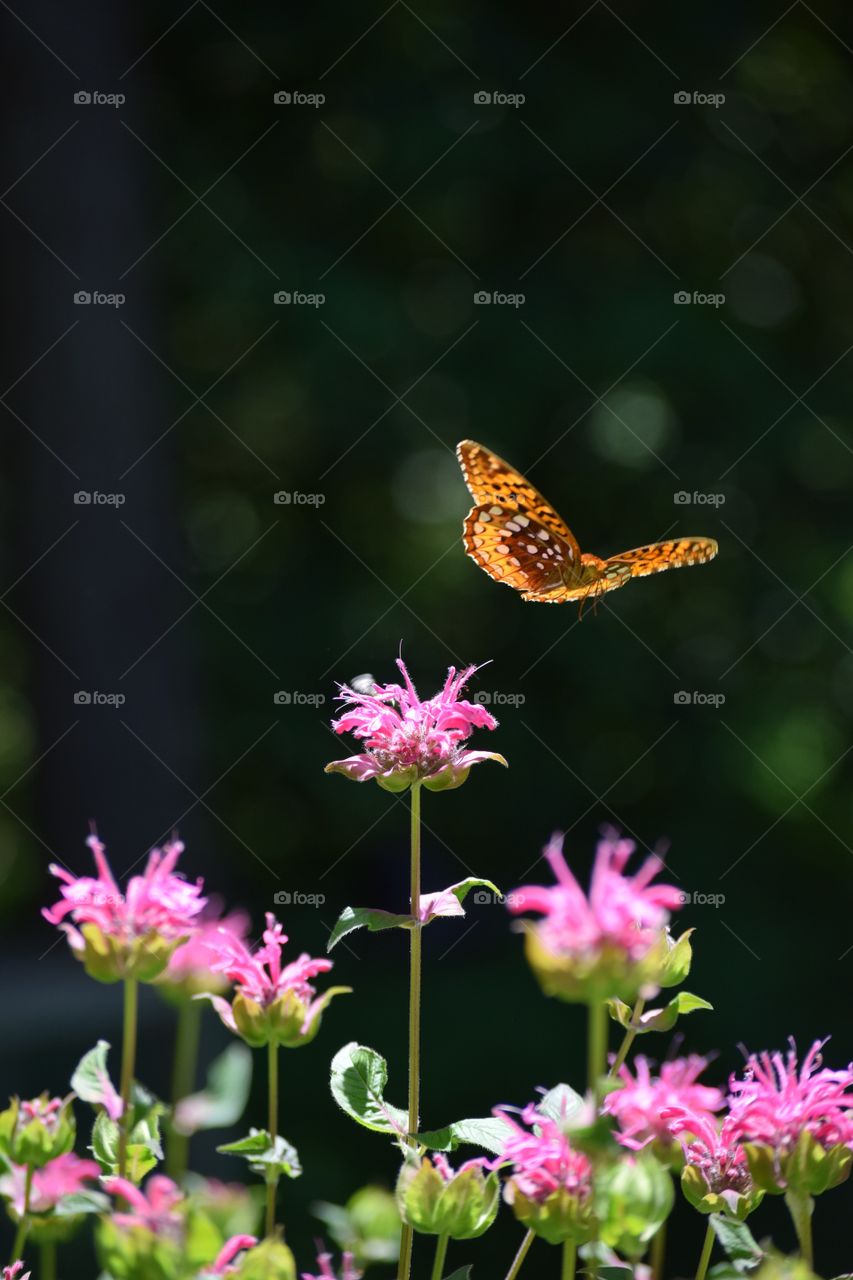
516, 548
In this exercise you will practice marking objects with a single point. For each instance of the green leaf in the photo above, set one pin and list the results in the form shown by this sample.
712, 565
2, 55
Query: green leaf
271, 1158
358, 1079
464, 1273
144, 1148
657, 1019
222, 1102
561, 1104
489, 1132
738, 1242
91, 1079
82, 1202
365, 918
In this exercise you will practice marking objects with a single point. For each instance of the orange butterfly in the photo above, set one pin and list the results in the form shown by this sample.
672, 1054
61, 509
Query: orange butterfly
517, 537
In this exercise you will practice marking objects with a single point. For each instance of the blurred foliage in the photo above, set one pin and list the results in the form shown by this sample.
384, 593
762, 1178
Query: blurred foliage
398, 199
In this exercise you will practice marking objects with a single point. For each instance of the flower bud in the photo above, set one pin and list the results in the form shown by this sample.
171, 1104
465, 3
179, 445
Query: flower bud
35, 1132
632, 1201
808, 1170
435, 1200
108, 958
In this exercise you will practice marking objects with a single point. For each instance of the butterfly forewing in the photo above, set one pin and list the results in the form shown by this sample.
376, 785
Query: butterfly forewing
490, 481
672, 554
516, 548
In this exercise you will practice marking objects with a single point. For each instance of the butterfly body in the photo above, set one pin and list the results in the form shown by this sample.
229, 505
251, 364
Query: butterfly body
517, 537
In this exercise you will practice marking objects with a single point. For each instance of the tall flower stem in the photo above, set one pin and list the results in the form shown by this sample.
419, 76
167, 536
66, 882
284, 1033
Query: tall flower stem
24, 1224
705, 1256
183, 1080
272, 1077
629, 1037
658, 1252
597, 1043
570, 1255
128, 1063
520, 1256
415, 940
47, 1262
440, 1255
800, 1208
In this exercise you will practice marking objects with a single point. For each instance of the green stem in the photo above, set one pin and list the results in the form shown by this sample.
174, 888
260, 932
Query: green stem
440, 1255
24, 1224
597, 1044
570, 1254
801, 1208
183, 1081
658, 1252
128, 1062
47, 1262
705, 1256
520, 1256
415, 938
272, 1075
630, 1036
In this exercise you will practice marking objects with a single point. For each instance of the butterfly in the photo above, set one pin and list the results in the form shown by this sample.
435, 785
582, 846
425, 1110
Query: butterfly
517, 537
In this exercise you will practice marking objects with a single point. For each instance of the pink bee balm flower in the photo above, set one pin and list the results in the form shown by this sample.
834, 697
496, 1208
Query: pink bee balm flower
14, 1272
155, 1209
222, 1265
550, 1188
326, 1272
129, 934
609, 942
64, 1176
189, 970
273, 1002
408, 740
716, 1176
638, 1105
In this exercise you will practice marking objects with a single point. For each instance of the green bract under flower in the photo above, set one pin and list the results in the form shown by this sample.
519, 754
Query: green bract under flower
435, 1200
37, 1131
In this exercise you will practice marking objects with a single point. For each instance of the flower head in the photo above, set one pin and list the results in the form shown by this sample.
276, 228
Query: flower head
155, 1209
408, 740
129, 934
438, 1200
273, 1002
327, 1272
716, 1176
189, 970
609, 942
792, 1117
550, 1187
14, 1272
64, 1176
37, 1130
638, 1105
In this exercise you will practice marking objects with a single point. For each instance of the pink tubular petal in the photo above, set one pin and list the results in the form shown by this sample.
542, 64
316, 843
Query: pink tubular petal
230, 1249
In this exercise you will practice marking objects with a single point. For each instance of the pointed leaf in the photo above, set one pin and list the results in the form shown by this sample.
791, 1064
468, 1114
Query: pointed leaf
448, 902
370, 918
91, 1080
82, 1202
488, 1132
620, 1012
666, 1018
271, 1158
222, 1102
464, 1273
738, 1242
562, 1103
358, 1079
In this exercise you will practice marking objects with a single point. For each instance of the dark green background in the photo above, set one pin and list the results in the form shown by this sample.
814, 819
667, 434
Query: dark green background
754, 796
